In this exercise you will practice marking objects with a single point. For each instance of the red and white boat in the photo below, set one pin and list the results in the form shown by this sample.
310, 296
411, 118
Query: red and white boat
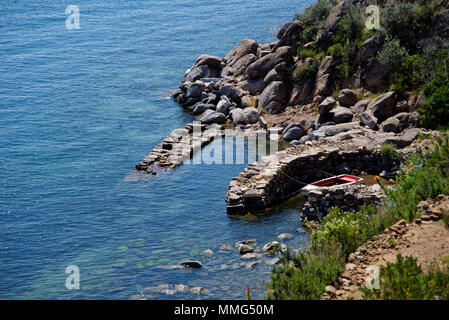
341, 180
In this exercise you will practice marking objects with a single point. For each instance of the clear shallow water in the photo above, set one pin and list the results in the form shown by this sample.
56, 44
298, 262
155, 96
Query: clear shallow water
78, 109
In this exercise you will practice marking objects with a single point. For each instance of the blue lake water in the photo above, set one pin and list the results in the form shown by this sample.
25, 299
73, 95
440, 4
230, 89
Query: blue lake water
78, 109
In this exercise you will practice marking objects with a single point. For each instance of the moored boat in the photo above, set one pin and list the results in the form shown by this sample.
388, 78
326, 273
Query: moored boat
341, 180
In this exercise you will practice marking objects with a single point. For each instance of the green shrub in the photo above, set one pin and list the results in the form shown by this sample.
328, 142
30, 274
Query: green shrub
347, 228
304, 276
389, 153
411, 74
406, 21
392, 52
306, 72
405, 280
313, 19
435, 110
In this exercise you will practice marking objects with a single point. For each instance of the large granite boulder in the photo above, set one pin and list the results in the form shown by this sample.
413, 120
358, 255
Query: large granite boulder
377, 75
323, 84
262, 66
250, 115
240, 57
195, 89
275, 91
360, 106
214, 117
327, 105
294, 133
201, 107
390, 125
368, 119
347, 97
234, 93
341, 115
383, 106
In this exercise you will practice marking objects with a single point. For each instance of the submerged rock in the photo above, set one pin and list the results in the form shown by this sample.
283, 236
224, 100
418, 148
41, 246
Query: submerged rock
191, 264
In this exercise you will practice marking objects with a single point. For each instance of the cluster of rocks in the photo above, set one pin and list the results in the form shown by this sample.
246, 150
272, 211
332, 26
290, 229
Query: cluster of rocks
348, 198
280, 175
168, 289
234, 87
396, 238
384, 114
247, 251
179, 146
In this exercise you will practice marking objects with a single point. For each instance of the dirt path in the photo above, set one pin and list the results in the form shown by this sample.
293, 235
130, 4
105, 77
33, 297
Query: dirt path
427, 239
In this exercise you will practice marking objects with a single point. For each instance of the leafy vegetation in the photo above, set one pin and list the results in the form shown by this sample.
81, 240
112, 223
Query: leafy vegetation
305, 275
392, 52
313, 19
405, 280
435, 110
389, 153
306, 72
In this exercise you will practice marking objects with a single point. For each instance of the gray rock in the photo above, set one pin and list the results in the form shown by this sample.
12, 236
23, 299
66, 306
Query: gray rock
223, 106
271, 76
269, 247
273, 261
370, 48
294, 134
376, 75
285, 236
191, 264
262, 66
360, 106
200, 72
341, 115
201, 107
390, 125
210, 61
323, 82
214, 117
250, 115
383, 106
368, 119
316, 135
211, 99
327, 105
347, 97
232, 92
293, 125
181, 287
253, 86
300, 93
208, 252
275, 107
244, 248
198, 290
239, 67
289, 31
195, 90
251, 264
339, 128
404, 120
408, 136
246, 47
237, 116
247, 242
275, 91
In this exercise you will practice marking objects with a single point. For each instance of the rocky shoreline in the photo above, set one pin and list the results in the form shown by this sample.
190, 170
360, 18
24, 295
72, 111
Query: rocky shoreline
328, 130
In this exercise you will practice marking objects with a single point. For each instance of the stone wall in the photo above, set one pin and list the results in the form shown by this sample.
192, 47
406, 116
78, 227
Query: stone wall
279, 176
348, 198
